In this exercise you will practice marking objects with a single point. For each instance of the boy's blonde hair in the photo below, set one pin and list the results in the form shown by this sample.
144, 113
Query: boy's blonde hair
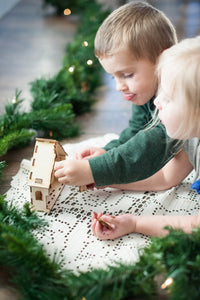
138, 27
183, 60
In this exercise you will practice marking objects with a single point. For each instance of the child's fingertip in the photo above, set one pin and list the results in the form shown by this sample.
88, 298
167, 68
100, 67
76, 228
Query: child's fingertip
56, 165
94, 215
99, 215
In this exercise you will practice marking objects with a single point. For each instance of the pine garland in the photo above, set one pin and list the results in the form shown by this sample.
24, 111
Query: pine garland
38, 276
57, 100
17, 128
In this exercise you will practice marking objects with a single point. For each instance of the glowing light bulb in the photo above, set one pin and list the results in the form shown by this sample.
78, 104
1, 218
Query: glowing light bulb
85, 44
67, 12
71, 69
89, 62
14, 100
167, 282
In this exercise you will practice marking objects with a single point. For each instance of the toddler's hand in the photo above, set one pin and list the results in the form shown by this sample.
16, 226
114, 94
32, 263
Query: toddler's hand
110, 227
73, 172
90, 152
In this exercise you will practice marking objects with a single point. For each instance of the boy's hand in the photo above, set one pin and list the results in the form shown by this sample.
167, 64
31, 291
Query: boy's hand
89, 153
110, 227
73, 172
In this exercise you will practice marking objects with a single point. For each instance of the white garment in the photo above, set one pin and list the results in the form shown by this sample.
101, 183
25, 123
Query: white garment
192, 147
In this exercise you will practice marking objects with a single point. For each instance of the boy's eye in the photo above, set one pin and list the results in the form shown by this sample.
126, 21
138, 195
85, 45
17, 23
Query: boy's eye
129, 75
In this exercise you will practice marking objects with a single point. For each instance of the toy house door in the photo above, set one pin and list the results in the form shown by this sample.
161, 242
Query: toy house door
38, 196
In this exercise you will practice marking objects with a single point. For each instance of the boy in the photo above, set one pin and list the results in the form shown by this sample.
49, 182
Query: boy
127, 45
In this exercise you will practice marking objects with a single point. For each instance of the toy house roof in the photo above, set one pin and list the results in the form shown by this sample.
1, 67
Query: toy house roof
45, 153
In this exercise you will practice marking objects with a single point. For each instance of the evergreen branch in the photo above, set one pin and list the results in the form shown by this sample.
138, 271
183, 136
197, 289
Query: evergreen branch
36, 275
120, 282
18, 138
56, 122
25, 218
175, 255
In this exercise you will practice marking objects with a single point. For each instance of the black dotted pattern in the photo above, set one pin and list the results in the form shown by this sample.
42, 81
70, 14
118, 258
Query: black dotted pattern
69, 230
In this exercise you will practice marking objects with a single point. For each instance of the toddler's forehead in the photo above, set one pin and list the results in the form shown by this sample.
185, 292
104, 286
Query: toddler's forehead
167, 74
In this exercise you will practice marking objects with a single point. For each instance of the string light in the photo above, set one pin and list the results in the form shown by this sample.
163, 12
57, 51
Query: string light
14, 100
67, 12
85, 44
89, 62
71, 69
167, 282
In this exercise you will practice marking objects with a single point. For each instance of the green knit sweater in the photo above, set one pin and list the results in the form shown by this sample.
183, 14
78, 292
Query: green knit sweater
137, 154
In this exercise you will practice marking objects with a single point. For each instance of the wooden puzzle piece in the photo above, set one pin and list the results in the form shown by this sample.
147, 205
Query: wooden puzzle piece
105, 224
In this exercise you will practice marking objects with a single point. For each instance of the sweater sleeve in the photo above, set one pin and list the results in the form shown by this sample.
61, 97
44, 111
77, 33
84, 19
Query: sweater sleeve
140, 157
140, 117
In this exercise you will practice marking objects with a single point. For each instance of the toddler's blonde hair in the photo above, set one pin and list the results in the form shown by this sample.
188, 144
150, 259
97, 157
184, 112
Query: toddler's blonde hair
138, 27
183, 60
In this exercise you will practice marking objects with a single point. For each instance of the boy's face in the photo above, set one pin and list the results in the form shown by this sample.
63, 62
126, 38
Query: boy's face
136, 79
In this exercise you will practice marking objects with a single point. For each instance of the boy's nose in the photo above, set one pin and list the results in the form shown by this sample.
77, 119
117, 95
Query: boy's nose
120, 86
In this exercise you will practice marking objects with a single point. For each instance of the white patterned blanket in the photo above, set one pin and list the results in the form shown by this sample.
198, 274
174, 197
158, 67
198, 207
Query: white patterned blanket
69, 231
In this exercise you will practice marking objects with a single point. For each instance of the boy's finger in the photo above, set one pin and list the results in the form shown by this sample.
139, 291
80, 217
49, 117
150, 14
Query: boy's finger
58, 173
58, 165
64, 180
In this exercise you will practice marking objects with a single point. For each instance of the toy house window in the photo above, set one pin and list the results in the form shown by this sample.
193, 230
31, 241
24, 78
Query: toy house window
38, 180
33, 162
30, 176
38, 195
36, 149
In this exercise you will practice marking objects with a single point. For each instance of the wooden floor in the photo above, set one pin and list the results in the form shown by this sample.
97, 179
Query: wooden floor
32, 43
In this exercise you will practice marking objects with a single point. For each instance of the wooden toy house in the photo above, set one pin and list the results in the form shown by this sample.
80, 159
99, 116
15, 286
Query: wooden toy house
44, 187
